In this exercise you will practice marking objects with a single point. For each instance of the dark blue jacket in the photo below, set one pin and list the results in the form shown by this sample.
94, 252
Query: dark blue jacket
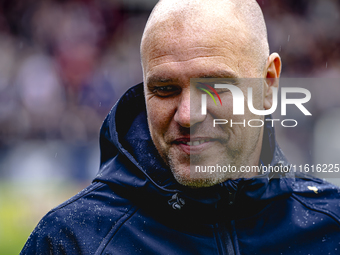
134, 205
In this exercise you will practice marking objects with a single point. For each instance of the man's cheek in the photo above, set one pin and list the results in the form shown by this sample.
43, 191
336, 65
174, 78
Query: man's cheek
157, 123
225, 111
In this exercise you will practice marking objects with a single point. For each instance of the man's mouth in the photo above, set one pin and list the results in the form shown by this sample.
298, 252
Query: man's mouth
194, 143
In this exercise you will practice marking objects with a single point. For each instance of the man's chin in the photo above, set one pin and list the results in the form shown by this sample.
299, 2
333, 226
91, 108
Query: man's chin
193, 170
189, 176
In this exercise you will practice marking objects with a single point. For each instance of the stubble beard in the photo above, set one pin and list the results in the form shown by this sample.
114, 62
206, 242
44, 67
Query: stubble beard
184, 169
183, 166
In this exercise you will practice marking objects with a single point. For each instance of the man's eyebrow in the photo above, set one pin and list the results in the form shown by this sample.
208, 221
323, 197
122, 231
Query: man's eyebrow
218, 74
222, 76
157, 79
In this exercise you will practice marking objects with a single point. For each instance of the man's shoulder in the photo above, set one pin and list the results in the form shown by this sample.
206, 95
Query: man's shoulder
317, 195
79, 223
96, 198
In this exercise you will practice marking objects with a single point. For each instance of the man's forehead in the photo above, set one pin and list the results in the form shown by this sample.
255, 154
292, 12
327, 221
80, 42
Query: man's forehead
206, 43
200, 60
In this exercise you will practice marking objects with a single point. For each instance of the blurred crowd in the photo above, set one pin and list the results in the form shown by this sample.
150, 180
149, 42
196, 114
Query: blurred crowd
306, 34
64, 63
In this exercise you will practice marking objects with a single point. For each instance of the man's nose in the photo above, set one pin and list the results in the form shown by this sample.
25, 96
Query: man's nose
189, 109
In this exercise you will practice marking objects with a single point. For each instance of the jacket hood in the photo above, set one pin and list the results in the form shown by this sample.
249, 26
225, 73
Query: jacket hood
131, 164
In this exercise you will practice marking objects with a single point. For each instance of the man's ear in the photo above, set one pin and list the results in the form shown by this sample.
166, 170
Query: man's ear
272, 75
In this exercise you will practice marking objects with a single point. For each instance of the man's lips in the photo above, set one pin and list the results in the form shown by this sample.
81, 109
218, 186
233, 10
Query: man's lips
193, 145
193, 141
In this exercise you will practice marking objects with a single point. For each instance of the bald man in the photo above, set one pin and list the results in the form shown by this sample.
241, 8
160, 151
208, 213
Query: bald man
147, 197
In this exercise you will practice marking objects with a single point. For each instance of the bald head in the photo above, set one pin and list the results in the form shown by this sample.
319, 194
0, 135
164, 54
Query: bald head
177, 20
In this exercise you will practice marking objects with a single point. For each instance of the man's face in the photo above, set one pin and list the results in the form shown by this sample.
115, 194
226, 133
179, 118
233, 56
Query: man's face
182, 135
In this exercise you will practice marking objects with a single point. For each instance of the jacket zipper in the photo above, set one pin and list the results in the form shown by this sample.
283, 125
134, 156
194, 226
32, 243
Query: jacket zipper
223, 232
223, 239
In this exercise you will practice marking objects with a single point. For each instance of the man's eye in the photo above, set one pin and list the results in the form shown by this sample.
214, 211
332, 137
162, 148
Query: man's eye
164, 91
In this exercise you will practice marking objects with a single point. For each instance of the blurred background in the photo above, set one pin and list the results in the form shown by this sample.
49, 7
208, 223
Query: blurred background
64, 63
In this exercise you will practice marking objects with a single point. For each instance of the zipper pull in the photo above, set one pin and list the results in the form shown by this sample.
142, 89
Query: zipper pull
232, 196
176, 202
